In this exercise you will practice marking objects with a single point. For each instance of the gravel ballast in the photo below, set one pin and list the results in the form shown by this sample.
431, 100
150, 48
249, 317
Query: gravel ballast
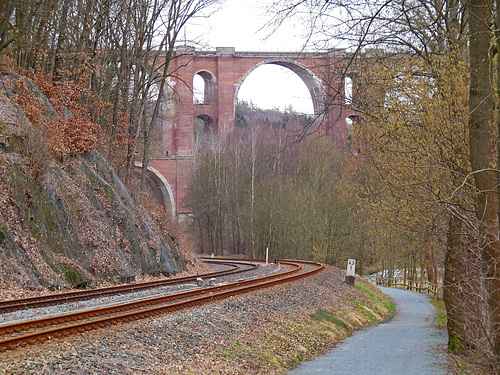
71, 307
265, 332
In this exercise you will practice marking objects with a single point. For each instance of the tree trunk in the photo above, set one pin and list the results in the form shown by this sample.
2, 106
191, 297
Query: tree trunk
452, 296
483, 152
61, 39
6, 8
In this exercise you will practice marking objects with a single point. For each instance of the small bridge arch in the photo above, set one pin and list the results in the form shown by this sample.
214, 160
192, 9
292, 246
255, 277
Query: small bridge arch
161, 189
207, 96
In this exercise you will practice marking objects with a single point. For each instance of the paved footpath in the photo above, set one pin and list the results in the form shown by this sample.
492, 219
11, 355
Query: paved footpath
407, 345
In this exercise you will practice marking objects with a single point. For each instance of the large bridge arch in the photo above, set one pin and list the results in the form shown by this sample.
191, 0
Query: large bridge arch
311, 80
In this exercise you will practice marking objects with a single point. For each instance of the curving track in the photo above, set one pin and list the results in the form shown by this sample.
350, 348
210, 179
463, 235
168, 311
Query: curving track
68, 324
81, 295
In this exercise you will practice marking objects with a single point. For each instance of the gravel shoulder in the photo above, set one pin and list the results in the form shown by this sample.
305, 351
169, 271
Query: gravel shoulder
266, 332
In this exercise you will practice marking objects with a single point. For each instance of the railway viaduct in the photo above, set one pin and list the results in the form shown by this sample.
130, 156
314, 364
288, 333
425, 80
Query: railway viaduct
223, 71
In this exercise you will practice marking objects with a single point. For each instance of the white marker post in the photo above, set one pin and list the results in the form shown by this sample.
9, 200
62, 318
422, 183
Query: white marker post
351, 272
267, 255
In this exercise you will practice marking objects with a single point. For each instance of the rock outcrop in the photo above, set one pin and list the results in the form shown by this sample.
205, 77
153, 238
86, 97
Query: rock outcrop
69, 222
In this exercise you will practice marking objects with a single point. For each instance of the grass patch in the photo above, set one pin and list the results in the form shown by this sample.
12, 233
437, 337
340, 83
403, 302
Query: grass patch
329, 317
261, 353
386, 303
367, 313
442, 319
270, 360
227, 353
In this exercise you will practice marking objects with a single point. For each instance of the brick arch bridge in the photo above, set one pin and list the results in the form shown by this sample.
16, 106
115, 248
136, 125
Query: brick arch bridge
223, 71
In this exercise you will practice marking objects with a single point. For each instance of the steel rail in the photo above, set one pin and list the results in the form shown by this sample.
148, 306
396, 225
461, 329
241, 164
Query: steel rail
113, 309
208, 295
58, 298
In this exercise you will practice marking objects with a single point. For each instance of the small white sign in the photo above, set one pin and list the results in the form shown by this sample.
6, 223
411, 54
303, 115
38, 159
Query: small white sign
351, 267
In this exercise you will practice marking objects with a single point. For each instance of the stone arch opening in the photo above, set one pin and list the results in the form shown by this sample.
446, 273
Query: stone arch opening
351, 122
203, 126
161, 189
348, 89
203, 88
312, 82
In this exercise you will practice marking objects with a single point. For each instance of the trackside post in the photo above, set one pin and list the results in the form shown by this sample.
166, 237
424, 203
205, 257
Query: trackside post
351, 271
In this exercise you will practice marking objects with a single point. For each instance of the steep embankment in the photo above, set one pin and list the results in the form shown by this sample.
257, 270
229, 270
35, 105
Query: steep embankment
69, 222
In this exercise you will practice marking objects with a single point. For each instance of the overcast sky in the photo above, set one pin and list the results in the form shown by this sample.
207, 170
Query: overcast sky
241, 24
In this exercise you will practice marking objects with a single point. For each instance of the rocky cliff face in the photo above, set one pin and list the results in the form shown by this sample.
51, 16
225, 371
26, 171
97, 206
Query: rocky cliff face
70, 222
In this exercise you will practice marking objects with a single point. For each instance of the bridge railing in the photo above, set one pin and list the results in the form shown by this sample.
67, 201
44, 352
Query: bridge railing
414, 285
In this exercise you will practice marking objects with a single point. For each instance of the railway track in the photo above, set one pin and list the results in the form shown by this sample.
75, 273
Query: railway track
34, 331
81, 295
